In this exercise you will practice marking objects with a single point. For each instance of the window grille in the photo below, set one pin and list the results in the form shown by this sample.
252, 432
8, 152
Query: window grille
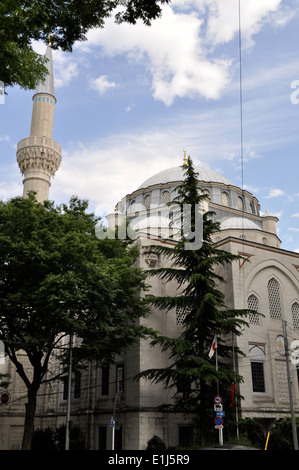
180, 315
253, 304
274, 299
258, 378
147, 201
295, 315
165, 199
225, 199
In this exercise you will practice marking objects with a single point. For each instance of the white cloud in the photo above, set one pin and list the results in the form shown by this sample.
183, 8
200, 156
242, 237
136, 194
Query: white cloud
108, 176
223, 22
102, 84
179, 48
65, 68
275, 192
295, 215
10, 189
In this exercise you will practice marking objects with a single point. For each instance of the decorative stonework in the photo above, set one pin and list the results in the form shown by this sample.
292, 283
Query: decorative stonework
39, 153
152, 260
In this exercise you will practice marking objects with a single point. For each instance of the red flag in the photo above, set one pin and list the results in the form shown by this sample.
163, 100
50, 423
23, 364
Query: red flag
232, 394
213, 347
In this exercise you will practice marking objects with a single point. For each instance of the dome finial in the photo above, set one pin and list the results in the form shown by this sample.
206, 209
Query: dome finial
185, 158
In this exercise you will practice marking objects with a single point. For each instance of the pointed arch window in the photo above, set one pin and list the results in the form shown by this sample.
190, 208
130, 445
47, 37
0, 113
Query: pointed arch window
240, 203
295, 315
147, 201
253, 304
274, 299
165, 199
225, 199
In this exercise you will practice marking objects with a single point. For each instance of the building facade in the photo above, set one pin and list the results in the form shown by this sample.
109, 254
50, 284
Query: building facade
266, 280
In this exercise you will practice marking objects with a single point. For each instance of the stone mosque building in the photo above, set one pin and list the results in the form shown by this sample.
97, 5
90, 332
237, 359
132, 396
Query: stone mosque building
268, 283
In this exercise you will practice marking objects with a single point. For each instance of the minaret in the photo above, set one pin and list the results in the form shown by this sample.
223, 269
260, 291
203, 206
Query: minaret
39, 156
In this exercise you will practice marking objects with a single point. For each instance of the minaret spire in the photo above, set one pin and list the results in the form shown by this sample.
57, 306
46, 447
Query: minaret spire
39, 156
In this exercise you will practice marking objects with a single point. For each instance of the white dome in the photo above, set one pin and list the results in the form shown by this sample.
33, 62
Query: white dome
240, 223
176, 174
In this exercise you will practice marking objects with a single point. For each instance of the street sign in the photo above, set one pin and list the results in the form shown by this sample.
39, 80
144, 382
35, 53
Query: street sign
218, 426
218, 407
112, 423
220, 413
217, 399
218, 420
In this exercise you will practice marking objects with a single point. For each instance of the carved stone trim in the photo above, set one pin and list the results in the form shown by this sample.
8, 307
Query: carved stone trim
38, 158
39, 141
45, 157
152, 260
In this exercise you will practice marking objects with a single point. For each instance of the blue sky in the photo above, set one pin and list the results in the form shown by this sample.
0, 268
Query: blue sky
132, 98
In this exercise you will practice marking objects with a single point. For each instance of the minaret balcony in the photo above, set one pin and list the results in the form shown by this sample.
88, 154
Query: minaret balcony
39, 153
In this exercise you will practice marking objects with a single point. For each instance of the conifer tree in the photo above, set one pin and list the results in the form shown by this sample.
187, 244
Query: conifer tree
203, 307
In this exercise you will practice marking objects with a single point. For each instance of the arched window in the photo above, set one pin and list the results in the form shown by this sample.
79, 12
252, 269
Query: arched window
240, 203
225, 199
274, 299
147, 201
295, 315
257, 363
253, 304
165, 199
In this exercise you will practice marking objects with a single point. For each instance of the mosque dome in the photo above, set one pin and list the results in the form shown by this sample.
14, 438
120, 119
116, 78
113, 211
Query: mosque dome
239, 223
177, 174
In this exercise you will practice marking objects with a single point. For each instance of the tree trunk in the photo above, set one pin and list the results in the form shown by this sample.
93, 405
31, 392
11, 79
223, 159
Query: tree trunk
29, 418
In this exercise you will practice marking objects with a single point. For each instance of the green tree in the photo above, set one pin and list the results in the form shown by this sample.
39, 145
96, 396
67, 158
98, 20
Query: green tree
22, 21
202, 304
57, 278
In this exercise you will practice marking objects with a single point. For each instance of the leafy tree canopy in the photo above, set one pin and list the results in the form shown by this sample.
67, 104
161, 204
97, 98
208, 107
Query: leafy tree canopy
56, 278
22, 21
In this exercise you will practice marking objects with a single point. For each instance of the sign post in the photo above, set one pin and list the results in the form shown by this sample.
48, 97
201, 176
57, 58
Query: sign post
112, 425
219, 417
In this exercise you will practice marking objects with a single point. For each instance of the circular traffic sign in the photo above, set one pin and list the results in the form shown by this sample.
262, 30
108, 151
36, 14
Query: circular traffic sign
217, 399
218, 420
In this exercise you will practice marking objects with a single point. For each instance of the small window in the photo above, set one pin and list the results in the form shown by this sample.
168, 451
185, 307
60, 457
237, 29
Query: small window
180, 315
240, 203
165, 199
295, 315
147, 201
253, 304
77, 385
258, 378
76, 388
257, 364
225, 199
274, 299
